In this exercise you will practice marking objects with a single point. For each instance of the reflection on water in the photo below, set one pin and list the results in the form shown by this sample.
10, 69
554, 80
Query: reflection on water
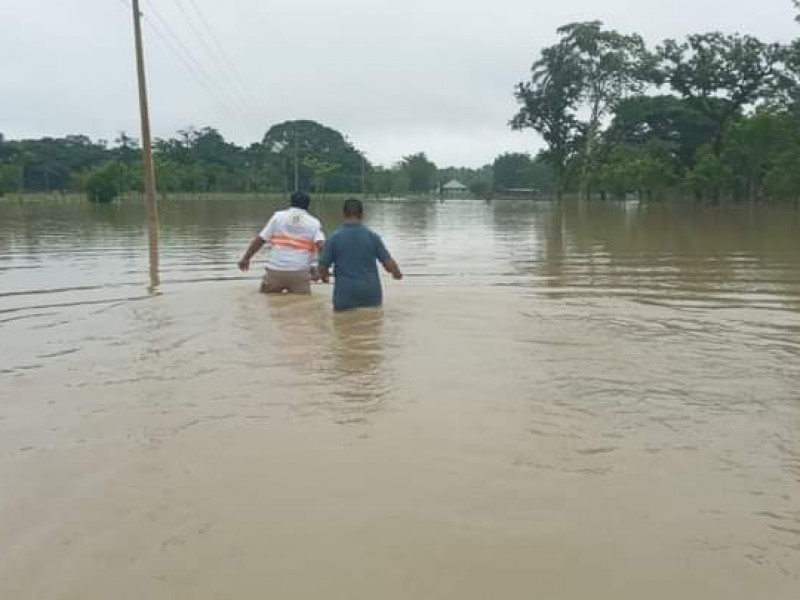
359, 378
565, 401
738, 254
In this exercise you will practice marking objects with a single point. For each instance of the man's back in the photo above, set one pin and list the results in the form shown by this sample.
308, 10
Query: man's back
354, 250
293, 234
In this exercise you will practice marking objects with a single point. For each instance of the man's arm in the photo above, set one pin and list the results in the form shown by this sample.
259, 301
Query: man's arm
255, 246
315, 271
391, 267
325, 274
257, 243
326, 259
383, 256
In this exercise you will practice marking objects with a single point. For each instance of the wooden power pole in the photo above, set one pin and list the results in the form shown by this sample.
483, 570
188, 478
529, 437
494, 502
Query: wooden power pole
147, 150
296, 167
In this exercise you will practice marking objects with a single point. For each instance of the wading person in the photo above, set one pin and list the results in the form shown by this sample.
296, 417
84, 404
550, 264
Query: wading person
354, 251
295, 237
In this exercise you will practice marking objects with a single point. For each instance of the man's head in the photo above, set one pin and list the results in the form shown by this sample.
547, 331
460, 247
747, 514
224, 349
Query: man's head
300, 200
353, 209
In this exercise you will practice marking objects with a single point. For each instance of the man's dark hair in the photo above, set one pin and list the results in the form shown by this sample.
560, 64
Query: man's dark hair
301, 200
353, 207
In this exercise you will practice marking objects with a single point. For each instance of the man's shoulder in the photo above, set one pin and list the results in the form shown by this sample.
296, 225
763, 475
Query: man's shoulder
338, 232
305, 216
373, 234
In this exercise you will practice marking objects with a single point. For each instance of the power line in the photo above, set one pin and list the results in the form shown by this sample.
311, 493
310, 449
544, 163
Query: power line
189, 67
185, 55
242, 94
169, 37
219, 46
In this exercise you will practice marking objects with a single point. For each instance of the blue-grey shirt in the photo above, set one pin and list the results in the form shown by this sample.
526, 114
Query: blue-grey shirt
353, 249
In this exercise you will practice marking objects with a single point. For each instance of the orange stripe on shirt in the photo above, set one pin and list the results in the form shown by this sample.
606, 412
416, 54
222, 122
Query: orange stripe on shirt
290, 241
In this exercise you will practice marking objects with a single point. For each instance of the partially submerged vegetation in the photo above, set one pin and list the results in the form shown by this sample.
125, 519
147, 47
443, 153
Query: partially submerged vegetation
715, 116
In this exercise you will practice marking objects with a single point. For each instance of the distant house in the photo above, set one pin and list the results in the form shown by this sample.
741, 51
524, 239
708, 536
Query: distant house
518, 192
454, 188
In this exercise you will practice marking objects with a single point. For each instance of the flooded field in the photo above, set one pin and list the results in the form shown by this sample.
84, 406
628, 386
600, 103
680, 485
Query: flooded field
580, 401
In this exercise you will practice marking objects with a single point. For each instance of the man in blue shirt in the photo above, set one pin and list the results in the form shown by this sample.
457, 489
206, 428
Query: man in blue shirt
353, 249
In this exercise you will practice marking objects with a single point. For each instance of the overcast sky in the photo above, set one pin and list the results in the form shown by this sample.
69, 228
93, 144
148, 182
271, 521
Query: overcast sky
395, 76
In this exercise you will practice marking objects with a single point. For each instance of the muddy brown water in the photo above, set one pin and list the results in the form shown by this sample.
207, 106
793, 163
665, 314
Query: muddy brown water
576, 401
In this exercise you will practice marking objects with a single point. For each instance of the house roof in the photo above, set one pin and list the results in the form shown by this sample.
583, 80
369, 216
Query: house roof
454, 184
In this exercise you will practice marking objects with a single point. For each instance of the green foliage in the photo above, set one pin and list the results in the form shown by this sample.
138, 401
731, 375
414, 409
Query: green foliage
782, 178
321, 155
480, 187
467, 176
672, 122
512, 170
420, 171
515, 170
321, 173
721, 74
549, 105
10, 176
709, 176
194, 160
626, 168
573, 85
726, 130
542, 176
104, 183
388, 182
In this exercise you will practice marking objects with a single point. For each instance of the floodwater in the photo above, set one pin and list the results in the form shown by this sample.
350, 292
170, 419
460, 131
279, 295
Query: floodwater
580, 401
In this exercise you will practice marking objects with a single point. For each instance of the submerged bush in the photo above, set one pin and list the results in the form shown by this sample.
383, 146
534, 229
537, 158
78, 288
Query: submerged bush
104, 183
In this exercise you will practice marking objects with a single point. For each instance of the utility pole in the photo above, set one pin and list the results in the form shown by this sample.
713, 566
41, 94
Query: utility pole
296, 167
147, 150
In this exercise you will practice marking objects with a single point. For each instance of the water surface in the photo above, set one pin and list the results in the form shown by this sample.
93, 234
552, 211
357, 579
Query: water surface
574, 401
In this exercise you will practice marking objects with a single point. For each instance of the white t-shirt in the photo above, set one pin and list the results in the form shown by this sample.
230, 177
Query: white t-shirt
293, 235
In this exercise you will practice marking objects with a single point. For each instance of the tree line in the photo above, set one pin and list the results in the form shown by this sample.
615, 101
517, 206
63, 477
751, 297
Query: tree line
292, 155
713, 116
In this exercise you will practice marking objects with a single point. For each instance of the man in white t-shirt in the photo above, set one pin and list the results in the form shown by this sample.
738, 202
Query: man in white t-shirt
295, 238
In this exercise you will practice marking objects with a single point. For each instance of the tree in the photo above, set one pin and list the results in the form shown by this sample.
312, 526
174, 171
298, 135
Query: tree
709, 175
752, 147
782, 179
420, 171
624, 168
480, 188
291, 143
674, 123
512, 170
612, 65
721, 74
10, 176
320, 173
465, 175
588, 70
127, 148
549, 103
541, 175
400, 182
103, 184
